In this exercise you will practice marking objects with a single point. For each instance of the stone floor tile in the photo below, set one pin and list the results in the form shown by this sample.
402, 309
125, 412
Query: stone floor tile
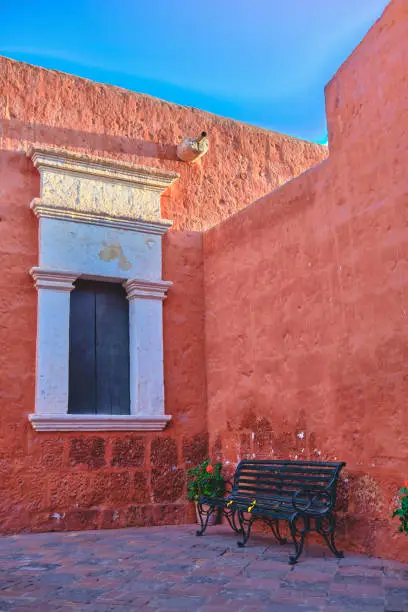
244, 594
213, 607
168, 568
206, 579
202, 590
361, 570
361, 560
395, 583
357, 589
358, 579
270, 584
397, 597
179, 603
346, 606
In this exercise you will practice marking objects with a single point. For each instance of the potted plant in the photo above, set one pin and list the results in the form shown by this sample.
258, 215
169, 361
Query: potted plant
206, 480
402, 509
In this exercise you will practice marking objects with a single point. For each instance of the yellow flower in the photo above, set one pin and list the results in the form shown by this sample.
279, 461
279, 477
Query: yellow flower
252, 506
229, 503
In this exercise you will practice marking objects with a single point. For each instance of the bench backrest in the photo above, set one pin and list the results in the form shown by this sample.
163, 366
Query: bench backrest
262, 479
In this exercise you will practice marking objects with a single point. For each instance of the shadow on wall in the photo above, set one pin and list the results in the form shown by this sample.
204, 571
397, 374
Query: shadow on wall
77, 139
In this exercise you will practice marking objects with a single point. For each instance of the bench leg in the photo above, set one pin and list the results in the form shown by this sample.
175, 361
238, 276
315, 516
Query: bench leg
326, 527
274, 526
231, 518
204, 518
245, 532
298, 537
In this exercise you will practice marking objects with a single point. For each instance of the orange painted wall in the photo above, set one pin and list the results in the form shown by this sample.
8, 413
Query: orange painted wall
67, 481
306, 302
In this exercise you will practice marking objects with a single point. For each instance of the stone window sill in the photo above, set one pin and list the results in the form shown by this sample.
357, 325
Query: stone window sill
98, 422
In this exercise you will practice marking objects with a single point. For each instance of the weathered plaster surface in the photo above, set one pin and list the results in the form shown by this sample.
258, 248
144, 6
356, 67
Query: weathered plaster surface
98, 250
114, 252
74, 481
306, 302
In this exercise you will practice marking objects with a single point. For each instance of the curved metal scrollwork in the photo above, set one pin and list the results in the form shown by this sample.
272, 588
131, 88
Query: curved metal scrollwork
274, 527
230, 515
326, 526
204, 515
316, 504
298, 533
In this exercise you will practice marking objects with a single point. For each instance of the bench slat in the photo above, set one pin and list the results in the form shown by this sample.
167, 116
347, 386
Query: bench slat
283, 478
272, 493
286, 469
295, 462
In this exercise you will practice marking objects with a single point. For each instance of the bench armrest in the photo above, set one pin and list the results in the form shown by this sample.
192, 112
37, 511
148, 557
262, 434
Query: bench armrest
313, 503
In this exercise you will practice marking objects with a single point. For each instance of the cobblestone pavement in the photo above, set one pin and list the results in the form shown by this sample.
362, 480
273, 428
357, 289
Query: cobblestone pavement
168, 568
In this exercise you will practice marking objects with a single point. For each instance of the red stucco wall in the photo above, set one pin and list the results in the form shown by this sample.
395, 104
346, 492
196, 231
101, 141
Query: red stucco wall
50, 481
306, 297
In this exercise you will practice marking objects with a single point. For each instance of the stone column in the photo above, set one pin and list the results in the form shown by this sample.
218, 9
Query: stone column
146, 346
54, 288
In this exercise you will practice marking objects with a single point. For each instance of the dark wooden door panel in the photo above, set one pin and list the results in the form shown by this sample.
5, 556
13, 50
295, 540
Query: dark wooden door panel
99, 349
112, 349
82, 395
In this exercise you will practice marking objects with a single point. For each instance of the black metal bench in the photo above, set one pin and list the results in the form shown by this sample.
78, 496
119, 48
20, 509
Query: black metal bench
301, 493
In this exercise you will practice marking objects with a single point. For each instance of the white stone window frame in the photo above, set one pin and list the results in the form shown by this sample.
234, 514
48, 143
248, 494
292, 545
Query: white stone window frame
99, 219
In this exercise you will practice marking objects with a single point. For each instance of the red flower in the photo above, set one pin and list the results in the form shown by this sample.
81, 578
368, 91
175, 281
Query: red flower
406, 484
209, 469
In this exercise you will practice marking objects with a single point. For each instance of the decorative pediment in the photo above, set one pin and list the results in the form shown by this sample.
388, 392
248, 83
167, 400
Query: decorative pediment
88, 189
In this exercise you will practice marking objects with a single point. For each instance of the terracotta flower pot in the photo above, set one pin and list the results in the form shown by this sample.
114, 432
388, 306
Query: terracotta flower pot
214, 518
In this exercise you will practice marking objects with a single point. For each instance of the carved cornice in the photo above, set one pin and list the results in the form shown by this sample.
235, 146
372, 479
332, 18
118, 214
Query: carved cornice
98, 188
101, 167
43, 210
58, 280
98, 422
146, 289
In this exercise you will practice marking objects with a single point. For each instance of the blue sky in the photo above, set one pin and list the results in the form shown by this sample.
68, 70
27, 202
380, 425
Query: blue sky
264, 62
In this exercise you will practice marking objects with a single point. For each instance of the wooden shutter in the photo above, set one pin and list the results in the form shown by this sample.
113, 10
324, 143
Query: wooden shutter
99, 349
82, 390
